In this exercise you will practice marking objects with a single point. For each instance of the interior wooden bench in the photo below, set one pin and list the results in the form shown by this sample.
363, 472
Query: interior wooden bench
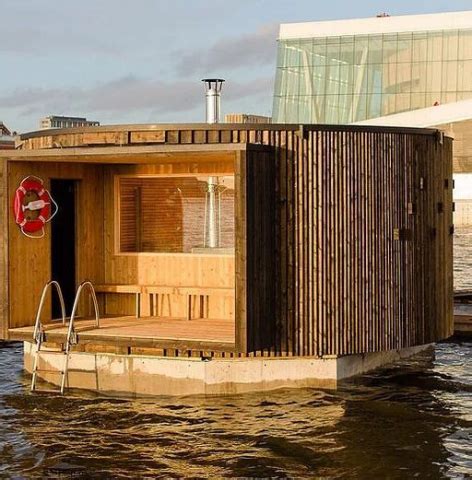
133, 289
159, 292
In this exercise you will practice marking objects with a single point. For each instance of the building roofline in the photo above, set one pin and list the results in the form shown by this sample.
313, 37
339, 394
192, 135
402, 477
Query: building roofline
425, 117
54, 132
378, 25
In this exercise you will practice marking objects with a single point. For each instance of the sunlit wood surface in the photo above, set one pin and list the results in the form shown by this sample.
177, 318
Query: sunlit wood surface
119, 329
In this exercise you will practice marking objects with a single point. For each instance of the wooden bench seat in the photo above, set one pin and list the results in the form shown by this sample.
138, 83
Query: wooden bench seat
158, 294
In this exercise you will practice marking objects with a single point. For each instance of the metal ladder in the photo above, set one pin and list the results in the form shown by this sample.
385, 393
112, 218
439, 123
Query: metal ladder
71, 339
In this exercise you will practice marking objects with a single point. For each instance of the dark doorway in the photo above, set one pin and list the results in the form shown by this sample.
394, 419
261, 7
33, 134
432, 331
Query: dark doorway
63, 244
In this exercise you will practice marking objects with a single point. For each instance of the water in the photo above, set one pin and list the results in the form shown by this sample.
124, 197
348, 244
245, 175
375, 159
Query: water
410, 420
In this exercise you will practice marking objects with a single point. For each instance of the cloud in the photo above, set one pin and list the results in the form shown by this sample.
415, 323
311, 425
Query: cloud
127, 94
255, 48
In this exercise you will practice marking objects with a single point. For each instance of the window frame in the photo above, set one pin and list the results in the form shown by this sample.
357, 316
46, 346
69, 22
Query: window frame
117, 215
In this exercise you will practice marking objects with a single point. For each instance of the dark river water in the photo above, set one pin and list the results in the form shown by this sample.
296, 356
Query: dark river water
410, 420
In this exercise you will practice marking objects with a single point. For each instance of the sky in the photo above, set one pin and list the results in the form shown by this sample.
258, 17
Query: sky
141, 61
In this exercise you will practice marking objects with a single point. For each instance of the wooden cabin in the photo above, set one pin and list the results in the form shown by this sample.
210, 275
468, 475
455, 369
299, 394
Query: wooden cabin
230, 241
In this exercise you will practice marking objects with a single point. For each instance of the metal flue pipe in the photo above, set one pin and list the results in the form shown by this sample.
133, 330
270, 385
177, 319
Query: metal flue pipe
213, 88
213, 112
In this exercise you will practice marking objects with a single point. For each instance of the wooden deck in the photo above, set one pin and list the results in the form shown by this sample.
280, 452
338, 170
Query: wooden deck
148, 332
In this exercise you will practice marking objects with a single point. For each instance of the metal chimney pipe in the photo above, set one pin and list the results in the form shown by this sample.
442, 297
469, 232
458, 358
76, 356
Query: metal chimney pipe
213, 88
212, 237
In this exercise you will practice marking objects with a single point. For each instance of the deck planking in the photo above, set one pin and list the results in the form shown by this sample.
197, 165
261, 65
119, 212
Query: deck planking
143, 331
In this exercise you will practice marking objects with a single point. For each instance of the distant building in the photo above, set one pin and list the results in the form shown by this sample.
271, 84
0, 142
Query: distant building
4, 130
7, 141
347, 71
246, 118
55, 121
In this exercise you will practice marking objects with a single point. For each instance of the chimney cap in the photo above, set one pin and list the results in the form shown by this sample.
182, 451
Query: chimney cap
213, 80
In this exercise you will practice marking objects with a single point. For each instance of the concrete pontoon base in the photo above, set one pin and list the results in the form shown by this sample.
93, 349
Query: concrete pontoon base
136, 375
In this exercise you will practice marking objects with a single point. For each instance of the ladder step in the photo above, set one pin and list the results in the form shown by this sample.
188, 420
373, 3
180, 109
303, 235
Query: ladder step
54, 352
45, 370
42, 390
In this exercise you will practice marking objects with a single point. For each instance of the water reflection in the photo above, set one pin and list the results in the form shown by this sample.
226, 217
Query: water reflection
410, 420
413, 419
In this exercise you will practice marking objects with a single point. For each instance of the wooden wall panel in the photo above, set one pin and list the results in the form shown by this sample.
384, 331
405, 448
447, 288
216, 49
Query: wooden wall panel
29, 259
363, 242
259, 249
4, 285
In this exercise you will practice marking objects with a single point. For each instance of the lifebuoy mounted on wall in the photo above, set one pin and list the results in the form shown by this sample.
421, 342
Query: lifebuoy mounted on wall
32, 206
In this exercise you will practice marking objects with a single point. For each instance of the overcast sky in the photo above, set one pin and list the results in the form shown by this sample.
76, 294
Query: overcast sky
119, 61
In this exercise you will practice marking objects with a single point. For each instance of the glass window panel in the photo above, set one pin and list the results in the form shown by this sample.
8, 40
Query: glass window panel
332, 109
345, 108
346, 53
291, 109
333, 47
464, 95
319, 79
290, 80
433, 77
319, 51
361, 50
404, 48
389, 48
418, 100
332, 80
292, 53
420, 47
464, 75
388, 103
449, 77
346, 79
450, 45
404, 78
305, 81
402, 102
278, 109
465, 44
360, 79
278, 85
374, 78
304, 109
167, 214
359, 107
448, 97
390, 77
375, 49
374, 106
418, 77
306, 52
318, 109
432, 98
435, 42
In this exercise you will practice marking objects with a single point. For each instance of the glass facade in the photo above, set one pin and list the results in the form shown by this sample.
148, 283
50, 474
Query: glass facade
352, 78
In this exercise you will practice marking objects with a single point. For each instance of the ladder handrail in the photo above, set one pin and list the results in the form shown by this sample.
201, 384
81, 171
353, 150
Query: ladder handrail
70, 330
37, 323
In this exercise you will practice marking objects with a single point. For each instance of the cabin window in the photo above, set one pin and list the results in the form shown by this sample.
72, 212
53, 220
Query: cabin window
176, 214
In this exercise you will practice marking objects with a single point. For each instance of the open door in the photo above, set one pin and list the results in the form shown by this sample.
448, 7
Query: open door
63, 253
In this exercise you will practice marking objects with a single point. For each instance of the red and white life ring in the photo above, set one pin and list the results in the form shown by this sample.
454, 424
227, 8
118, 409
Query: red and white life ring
32, 206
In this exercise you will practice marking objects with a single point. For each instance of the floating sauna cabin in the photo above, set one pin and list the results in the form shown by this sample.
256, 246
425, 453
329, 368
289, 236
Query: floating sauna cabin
225, 257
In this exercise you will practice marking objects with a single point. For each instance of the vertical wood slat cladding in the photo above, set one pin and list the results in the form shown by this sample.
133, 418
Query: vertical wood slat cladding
260, 265
362, 248
382, 256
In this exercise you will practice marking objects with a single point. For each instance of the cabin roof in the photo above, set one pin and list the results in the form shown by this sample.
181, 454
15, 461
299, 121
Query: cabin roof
165, 153
220, 126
